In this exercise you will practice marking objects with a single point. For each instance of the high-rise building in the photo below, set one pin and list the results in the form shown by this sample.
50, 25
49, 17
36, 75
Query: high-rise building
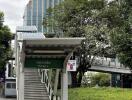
35, 11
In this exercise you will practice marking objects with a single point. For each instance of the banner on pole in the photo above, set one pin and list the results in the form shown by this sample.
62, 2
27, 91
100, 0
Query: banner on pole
71, 65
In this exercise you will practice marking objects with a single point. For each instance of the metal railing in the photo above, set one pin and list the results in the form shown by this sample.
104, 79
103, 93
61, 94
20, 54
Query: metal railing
108, 62
45, 80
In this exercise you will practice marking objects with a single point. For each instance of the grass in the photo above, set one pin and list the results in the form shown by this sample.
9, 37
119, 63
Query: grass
100, 94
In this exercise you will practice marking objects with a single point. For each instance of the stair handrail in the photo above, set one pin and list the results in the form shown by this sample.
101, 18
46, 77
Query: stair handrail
45, 79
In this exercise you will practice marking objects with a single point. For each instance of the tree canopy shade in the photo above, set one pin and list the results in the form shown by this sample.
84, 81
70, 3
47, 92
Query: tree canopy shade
5, 37
121, 33
105, 24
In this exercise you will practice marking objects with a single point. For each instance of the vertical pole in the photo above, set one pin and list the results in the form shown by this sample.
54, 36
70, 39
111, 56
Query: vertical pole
17, 82
50, 75
42, 77
64, 79
65, 85
62, 85
56, 81
122, 82
19, 73
111, 80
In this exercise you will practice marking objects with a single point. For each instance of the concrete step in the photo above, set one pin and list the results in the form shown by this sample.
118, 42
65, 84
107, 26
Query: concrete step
37, 98
39, 94
32, 81
43, 98
36, 76
32, 78
35, 94
35, 72
33, 84
36, 90
33, 88
30, 86
28, 72
38, 80
31, 74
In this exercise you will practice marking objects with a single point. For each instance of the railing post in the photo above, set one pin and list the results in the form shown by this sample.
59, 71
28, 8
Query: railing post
50, 75
45, 79
42, 77
56, 82
109, 63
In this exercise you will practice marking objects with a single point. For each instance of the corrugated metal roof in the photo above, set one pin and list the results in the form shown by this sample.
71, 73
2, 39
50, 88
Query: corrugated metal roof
50, 47
26, 29
54, 41
29, 36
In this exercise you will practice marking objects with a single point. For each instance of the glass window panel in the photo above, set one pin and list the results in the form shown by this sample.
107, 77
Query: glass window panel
13, 85
39, 15
8, 85
34, 11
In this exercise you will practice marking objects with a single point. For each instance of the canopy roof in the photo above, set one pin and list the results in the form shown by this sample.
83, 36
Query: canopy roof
50, 47
30, 36
26, 29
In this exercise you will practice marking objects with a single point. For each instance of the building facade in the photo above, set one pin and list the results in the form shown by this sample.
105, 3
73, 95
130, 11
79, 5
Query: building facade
35, 11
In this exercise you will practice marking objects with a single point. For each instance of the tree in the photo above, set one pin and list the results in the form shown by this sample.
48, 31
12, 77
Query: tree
80, 18
100, 79
121, 36
5, 38
118, 20
106, 25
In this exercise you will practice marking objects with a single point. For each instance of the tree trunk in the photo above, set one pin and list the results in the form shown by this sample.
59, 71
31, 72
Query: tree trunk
80, 78
74, 79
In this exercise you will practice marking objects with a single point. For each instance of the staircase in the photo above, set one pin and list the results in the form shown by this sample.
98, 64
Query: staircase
33, 88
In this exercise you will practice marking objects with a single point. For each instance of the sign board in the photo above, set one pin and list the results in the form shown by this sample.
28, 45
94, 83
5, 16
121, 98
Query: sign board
71, 65
44, 63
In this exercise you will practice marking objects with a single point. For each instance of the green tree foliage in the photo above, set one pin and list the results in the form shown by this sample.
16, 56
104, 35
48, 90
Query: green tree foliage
100, 79
80, 18
121, 33
105, 24
96, 79
5, 37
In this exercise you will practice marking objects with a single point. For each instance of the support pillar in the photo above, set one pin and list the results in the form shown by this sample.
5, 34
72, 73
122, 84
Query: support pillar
64, 78
56, 81
64, 86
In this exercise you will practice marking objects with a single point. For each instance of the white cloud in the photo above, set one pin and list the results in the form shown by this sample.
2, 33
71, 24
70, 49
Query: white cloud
13, 11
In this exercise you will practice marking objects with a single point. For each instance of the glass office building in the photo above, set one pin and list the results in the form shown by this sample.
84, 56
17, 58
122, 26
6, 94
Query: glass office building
35, 11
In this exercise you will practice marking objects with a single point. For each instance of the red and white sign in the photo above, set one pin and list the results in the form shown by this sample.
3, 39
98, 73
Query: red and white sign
71, 65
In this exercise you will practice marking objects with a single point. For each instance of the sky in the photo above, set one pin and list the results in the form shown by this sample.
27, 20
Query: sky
13, 12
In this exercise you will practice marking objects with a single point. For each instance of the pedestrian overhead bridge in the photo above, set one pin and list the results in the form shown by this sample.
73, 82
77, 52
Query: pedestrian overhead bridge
109, 65
36, 55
